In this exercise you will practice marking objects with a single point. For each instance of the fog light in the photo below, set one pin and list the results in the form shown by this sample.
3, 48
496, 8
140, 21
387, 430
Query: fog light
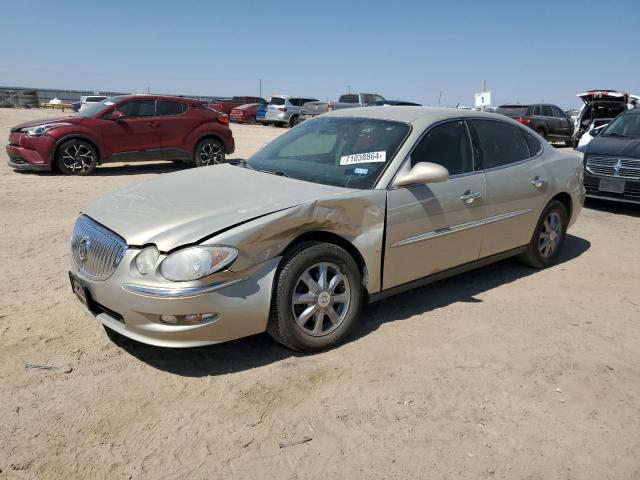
190, 319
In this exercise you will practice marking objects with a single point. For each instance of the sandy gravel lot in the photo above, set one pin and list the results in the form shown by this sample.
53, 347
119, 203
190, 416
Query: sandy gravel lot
505, 372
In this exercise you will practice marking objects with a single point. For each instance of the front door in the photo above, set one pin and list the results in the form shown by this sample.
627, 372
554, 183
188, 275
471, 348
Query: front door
434, 227
137, 131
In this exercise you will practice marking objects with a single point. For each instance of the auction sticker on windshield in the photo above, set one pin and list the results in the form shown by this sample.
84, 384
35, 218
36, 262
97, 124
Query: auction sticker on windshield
369, 157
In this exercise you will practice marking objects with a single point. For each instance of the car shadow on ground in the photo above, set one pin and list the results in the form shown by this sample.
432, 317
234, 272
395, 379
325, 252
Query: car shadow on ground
618, 208
260, 350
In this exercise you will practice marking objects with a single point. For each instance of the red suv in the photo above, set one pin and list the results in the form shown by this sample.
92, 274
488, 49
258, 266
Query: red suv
123, 128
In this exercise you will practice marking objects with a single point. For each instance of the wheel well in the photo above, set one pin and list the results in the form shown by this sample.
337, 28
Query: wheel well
206, 137
329, 237
54, 162
565, 199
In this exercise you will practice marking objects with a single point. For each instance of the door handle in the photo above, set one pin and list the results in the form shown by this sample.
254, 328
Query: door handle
469, 196
538, 181
154, 124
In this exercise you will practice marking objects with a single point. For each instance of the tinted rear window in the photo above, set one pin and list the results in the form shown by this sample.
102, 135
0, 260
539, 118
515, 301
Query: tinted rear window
501, 143
277, 101
535, 147
513, 111
168, 107
350, 98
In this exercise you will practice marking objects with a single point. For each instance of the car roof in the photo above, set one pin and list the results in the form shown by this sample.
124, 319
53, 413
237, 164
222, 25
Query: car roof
192, 101
415, 115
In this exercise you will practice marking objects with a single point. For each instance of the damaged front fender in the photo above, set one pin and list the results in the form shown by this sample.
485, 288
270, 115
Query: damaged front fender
357, 217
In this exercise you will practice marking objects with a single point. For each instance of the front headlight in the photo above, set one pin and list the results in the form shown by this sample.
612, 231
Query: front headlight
196, 262
38, 130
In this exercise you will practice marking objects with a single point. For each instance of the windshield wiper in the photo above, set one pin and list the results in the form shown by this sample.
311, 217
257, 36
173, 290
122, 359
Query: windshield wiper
277, 172
244, 164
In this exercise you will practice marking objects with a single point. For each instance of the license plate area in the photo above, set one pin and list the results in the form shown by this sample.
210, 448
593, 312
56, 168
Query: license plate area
612, 185
80, 290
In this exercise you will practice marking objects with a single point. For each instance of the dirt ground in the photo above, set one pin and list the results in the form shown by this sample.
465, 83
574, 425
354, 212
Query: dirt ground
505, 372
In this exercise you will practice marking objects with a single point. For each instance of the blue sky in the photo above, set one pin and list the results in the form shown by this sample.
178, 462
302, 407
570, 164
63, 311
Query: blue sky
413, 50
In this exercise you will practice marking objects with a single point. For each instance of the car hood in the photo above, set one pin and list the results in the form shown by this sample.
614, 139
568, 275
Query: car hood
186, 207
45, 121
623, 147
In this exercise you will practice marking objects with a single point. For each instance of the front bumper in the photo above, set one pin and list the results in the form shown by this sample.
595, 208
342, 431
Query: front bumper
241, 302
30, 153
631, 192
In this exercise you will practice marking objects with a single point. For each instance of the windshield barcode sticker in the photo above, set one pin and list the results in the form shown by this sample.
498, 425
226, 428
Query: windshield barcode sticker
368, 157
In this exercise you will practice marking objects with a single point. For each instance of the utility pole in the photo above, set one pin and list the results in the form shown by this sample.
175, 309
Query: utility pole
260, 87
440, 98
349, 89
484, 89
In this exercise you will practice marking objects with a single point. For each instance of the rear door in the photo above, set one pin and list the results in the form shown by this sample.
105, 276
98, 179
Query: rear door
137, 131
564, 124
174, 124
516, 184
434, 227
553, 125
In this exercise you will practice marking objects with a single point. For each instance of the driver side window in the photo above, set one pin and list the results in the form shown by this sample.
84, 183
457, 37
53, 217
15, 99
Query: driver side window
448, 145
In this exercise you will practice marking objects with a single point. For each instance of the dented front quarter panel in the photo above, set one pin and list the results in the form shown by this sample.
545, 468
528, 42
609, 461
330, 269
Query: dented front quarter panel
357, 217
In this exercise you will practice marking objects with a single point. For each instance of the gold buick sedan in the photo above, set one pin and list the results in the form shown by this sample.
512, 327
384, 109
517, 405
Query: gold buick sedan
350, 207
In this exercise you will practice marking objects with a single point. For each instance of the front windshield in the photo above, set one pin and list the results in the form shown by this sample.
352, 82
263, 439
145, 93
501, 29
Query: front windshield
624, 126
339, 151
95, 108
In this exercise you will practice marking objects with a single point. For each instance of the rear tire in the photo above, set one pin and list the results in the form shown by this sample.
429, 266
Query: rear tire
548, 237
76, 157
293, 121
317, 297
208, 152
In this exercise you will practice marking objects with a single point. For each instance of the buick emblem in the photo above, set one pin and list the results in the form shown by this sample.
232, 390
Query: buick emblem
618, 166
83, 248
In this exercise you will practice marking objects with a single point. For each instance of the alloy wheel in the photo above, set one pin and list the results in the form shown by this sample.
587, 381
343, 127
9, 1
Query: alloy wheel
320, 299
550, 234
210, 154
78, 158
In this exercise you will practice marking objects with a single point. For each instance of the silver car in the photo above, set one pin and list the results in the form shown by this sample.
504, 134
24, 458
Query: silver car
285, 110
344, 209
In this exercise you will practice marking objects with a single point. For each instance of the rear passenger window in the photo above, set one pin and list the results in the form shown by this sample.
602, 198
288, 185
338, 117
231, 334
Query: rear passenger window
501, 143
536, 111
448, 145
535, 147
546, 111
295, 102
166, 107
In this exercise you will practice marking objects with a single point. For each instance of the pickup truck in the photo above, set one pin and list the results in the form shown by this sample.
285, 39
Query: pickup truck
348, 100
225, 105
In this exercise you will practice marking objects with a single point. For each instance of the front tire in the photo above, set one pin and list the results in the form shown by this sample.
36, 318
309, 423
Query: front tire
548, 237
76, 157
294, 121
208, 152
317, 297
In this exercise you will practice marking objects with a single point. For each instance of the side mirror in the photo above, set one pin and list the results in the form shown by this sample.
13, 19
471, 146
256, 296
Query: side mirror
117, 115
421, 173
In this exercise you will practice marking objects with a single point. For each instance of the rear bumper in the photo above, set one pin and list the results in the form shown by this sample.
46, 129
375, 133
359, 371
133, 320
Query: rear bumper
631, 192
280, 117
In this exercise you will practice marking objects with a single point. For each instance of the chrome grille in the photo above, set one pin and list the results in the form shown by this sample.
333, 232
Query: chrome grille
96, 251
614, 167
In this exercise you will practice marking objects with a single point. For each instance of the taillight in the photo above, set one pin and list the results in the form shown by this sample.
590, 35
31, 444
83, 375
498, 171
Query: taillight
523, 120
223, 119
282, 109
330, 107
